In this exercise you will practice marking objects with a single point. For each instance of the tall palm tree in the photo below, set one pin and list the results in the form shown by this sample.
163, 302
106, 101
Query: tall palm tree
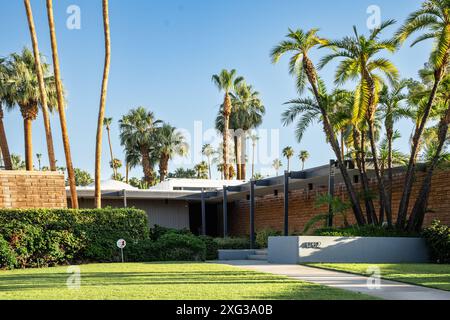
4, 75
208, 151
361, 60
23, 90
299, 44
107, 123
39, 158
303, 156
254, 139
101, 112
137, 135
61, 107
132, 160
170, 143
248, 112
420, 206
434, 18
277, 164
288, 153
226, 81
41, 83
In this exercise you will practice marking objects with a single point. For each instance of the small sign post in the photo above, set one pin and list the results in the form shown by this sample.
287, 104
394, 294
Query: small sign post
121, 243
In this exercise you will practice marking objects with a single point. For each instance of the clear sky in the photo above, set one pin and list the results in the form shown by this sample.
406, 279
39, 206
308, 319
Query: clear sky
164, 53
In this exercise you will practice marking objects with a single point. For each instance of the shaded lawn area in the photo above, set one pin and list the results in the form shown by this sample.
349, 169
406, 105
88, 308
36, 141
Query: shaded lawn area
428, 275
161, 281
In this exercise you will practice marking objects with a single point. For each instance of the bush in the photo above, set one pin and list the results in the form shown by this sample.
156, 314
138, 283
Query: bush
45, 237
157, 232
232, 243
262, 237
7, 256
438, 240
362, 231
211, 247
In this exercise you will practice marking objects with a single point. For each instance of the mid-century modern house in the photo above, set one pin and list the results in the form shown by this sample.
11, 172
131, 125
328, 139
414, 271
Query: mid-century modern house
218, 208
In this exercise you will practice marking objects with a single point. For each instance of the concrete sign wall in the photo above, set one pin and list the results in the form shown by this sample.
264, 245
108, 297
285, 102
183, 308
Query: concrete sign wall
292, 250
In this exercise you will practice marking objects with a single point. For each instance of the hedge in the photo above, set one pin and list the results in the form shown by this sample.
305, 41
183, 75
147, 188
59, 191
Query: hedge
438, 240
43, 237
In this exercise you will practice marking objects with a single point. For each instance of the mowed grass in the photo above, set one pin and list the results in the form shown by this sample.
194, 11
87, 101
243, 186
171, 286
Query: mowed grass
428, 275
161, 281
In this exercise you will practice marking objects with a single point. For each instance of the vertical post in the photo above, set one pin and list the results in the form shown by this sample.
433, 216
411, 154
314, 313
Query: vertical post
331, 191
125, 202
225, 212
286, 203
203, 214
252, 214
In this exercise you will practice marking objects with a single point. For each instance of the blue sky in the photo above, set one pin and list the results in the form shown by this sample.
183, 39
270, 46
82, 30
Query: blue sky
163, 56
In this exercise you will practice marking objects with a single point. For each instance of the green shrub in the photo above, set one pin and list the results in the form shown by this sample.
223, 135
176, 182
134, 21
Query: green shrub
362, 231
141, 251
157, 232
211, 247
7, 256
438, 240
45, 237
232, 243
180, 247
262, 237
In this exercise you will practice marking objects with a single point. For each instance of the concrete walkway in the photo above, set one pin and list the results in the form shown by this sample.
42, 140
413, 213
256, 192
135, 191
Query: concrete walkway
389, 290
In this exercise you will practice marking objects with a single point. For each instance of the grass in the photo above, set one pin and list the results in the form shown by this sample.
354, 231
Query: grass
428, 275
161, 281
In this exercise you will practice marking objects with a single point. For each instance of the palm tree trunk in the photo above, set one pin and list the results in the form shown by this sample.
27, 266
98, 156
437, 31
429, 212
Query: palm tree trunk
253, 159
310, 72
146, 166
4, 143
43, 94
111, 153
410, 172
101, 113
359, 145
237, 154
127, 172
342, 145
27, 124
209, 167
163, 166
389, 135
418, 213
61, 107
288, 164
226, 112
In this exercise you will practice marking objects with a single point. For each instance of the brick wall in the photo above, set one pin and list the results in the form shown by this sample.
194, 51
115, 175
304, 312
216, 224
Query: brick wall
269, 210
27, 190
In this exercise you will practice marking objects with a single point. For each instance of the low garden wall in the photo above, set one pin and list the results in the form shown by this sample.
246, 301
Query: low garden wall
293, 250
32, 189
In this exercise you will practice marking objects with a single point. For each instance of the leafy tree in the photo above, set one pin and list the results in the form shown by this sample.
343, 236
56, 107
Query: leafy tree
82, 178
182, 173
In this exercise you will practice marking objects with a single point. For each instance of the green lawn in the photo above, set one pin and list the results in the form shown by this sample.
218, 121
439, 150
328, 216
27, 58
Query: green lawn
429, 275
161, 281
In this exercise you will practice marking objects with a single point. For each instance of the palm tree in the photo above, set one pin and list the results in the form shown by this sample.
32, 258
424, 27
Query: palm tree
4, 75
360, 60
101, 112
23, 90
433, 16
61, 106
202, 170
392, 108
226, 81
170, 143
41, 83
248, 112
137, 135
303, 156
39, 158
277, 164
107, 123
132, 160
17, 163
288, 153
208, 151
300, 43
254, 138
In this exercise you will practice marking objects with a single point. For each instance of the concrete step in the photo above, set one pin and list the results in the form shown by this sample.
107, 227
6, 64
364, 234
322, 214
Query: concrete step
261, 251
257, 257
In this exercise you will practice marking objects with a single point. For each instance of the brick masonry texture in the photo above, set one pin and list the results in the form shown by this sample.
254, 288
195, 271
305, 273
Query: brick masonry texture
30, 190
269, 210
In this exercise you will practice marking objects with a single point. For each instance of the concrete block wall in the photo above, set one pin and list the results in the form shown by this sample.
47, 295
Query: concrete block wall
32, 189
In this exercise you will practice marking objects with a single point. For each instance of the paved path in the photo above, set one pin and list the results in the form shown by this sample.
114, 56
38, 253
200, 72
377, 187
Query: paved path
390, 290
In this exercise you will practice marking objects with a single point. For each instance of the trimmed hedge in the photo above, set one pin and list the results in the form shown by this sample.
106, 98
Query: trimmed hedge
362, 231
42, 237
262, 237
438, 239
